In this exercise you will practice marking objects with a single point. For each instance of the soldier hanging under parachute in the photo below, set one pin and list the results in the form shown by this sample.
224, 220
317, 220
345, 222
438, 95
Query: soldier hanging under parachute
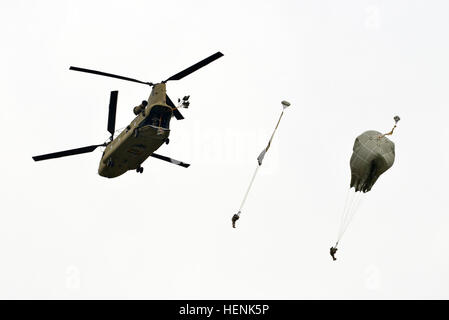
373, 154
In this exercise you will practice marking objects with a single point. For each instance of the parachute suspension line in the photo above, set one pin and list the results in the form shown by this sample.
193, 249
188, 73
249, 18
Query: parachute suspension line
353, 212
349, 198
350, 213
247, 191
236, 216
345, 214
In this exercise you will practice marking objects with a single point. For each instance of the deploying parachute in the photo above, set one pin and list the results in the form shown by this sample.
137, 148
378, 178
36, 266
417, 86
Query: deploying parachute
235, 217
373, 154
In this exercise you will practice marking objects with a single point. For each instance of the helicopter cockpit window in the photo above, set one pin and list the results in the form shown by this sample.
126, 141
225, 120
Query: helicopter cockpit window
159, 117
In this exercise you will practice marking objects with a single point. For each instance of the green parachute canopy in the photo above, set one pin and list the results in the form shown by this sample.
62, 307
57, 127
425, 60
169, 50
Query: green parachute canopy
373, 154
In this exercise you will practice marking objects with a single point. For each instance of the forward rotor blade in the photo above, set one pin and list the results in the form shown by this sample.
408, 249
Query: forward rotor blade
176, 112
179, 163
112, 112
100, 73
195, 67
66, 153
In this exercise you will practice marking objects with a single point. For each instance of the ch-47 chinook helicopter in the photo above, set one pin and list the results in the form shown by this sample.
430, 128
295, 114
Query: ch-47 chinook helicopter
145, 134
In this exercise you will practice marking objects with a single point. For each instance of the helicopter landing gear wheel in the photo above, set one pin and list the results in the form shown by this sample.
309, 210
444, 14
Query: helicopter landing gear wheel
136, 132
139, 169
109, 163
167, 141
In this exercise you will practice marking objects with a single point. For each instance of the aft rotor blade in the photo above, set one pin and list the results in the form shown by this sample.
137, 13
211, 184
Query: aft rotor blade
176, 112
66, 153
195, 67
100, 73
179, 163
112, 112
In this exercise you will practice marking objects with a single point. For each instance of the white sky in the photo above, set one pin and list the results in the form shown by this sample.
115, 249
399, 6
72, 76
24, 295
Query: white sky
66, 232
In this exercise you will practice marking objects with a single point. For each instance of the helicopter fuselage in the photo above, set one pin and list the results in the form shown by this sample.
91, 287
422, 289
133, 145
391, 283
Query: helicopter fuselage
143, 136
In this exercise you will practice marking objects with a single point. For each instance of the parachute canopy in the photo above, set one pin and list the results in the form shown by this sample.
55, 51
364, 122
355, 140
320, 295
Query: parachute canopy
373, 154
